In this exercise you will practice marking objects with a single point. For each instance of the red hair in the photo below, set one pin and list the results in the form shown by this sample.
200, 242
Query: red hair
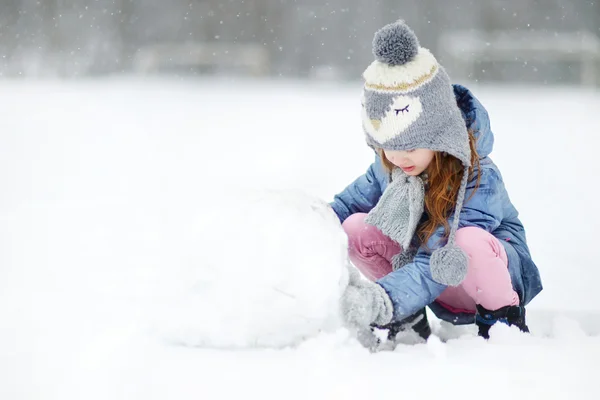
444, 176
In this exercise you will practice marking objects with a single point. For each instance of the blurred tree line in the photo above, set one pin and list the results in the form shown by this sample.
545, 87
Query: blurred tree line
303, 38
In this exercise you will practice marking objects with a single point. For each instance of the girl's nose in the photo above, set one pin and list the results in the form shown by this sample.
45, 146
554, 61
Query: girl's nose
401, 156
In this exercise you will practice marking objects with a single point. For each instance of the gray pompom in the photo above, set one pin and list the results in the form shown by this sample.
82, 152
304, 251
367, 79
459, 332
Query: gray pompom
395, 44
449, 265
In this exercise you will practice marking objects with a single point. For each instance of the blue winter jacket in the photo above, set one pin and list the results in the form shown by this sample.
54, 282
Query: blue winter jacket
412, 287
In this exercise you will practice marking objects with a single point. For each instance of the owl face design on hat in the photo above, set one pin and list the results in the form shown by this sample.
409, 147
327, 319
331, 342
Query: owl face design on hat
389, 115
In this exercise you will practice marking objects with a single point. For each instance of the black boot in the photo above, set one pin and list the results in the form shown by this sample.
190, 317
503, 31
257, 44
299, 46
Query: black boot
415, 324
511, 315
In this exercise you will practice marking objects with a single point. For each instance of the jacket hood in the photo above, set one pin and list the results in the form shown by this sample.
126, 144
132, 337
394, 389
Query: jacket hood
476, 119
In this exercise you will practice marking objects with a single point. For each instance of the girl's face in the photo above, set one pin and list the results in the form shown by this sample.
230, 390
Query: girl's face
412, 162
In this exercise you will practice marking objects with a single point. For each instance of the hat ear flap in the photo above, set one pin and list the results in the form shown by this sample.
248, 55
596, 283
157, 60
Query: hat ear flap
450, 263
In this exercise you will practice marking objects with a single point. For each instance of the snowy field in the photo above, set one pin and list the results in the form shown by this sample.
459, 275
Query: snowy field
106, 190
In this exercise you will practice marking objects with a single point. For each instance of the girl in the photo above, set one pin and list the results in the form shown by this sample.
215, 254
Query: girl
430, 222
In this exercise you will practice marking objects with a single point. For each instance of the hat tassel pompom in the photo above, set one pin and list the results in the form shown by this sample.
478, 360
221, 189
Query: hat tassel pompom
449, 265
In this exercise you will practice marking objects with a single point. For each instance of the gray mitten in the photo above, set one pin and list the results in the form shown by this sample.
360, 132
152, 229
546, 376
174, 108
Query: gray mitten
403, 258
364, 303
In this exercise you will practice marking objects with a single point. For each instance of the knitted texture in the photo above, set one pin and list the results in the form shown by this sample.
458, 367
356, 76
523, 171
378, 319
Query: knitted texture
364, 303
395, 44
449, 264
403, 258
409, 103
424, 117
399, 210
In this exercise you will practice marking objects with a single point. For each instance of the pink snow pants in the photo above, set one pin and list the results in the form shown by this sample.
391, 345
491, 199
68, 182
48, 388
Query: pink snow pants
487, 282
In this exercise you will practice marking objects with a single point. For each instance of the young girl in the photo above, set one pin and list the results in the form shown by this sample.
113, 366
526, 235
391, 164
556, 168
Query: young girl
430, 222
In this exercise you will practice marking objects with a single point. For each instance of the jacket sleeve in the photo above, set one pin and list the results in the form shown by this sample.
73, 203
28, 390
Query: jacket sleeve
412, 287
361, 195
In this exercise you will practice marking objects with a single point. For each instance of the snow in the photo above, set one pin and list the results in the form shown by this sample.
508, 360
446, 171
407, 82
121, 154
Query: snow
267, 289
118, 196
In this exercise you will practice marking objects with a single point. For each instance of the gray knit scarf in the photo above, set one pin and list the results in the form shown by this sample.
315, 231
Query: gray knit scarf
398, 213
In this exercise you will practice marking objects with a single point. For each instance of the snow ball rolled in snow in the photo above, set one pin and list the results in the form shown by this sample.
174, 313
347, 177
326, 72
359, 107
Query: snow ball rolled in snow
272, 270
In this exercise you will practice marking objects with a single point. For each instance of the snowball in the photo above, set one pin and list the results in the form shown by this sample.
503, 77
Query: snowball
272, 273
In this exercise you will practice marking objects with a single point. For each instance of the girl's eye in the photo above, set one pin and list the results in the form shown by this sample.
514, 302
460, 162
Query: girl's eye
401, 110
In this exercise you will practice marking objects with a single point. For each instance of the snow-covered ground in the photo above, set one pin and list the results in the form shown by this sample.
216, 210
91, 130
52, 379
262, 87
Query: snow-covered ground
105, 190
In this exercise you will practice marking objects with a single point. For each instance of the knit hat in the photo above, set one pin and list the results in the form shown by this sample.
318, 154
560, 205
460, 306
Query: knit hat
409, 103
